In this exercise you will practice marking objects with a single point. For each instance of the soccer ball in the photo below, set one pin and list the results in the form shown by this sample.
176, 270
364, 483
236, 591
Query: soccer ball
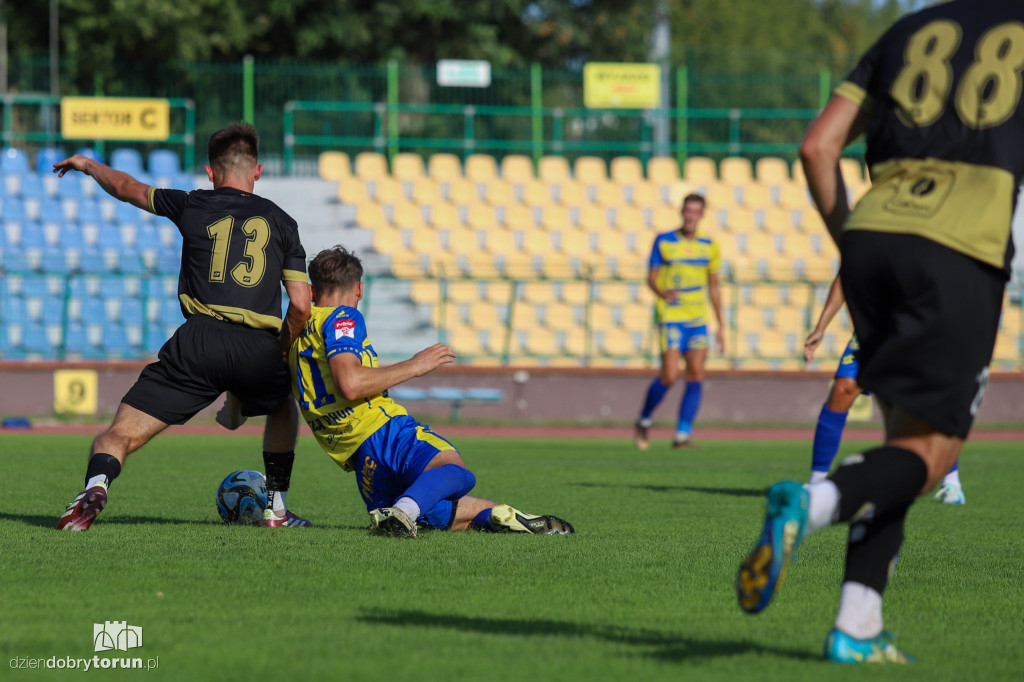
242, 497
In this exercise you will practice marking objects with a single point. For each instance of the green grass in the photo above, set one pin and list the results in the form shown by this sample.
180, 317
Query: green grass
643, 591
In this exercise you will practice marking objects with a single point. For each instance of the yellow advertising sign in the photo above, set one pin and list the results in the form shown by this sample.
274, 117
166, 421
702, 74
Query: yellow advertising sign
75, 391
115, 118
621, 86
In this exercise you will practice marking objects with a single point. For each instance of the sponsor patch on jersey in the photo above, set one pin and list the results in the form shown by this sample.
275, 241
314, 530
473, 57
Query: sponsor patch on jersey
344, 328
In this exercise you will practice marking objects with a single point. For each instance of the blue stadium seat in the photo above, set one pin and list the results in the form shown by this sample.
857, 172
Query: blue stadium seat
126, 213
168, 262
71, 237
89, 212
32, 236
94, 310
184, 182
10, 340
109, 237
32, 187
130, 262
54, 260
153, 337
51, 212
76, 339
90, 153
71, 186
13, 259
13, 309
14, 160
36, 341
46, 157
13, 211
147, 238
170, 312
131, 311
112, 287
128, 160
164, 163
53, 307
92, 262
115, 340
34, 285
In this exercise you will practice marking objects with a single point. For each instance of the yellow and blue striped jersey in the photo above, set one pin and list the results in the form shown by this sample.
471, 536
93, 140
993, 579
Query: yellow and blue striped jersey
683, 266
339, 425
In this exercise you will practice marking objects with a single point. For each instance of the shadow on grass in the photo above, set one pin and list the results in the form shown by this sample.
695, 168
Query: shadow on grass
664, 646
734, 492
51, 520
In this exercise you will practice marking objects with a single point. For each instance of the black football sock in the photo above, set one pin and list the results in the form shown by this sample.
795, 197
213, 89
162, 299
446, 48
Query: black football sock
878, 483
872, 548
279, 477
102, 464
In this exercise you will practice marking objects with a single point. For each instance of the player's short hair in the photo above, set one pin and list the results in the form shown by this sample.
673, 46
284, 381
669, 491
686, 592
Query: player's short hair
693, 197
235, 148
335, 269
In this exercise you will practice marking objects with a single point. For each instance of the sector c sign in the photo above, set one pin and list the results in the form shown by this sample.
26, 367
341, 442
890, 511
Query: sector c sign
115, 118
624, 86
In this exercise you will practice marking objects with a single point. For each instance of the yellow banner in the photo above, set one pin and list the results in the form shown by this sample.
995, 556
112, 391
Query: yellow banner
114, 118
621, 86
75, 391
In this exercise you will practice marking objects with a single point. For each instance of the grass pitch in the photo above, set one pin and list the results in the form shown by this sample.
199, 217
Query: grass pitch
643, 591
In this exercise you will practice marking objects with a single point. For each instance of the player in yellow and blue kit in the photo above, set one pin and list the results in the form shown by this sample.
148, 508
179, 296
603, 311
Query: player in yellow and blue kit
683, 274
845, 389
407, 474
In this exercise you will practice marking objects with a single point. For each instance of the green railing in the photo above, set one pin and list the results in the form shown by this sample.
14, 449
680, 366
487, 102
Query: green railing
20, 110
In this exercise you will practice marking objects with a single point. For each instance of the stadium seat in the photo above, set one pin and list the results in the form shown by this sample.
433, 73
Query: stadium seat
407, 167
771, 170
735, 170
626, 170
663, 170
554, 169
699, 169
164, 163
590, 170
444, 167
115, 340
90, 153
481, 168
127, 159
517, 168
14, 161
533, 192
46, 157
334, 166
371, 166
70, 187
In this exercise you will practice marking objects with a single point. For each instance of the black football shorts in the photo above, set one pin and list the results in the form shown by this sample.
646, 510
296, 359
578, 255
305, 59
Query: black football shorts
926, 317
206, 357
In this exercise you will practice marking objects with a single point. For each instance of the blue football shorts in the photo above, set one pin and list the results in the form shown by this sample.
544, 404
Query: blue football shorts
391, 460
848, 365
683, 337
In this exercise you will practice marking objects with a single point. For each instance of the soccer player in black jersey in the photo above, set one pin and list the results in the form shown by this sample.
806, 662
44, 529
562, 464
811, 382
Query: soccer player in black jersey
237, 250
925, 259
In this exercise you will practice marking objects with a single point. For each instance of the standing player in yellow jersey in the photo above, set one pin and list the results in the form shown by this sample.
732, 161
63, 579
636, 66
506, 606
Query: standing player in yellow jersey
683, 274
925, 259
407, 474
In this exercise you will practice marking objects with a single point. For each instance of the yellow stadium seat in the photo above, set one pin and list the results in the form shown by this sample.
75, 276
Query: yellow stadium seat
444, 215
352, 192
700, 170
460, 192
426, 191
497, 241
607, 193
459, 240
626, 170
424, 242
536, 292
518, 216
645, 195
792, 195
852, 170
444, 167
755, 195
798, 174
665, 218
780, 268
735, 170
663, 170
676, 192
460, 291
425, 291
496, 292
570, 193
771, 170
370, 215
389, 240
590, 170
334, 166
387, 191
407, 215
535, 240
776, 219
735, 219
555, 217
553, 169
592, 217
499, 193
516, 168
482, 216
535, 192
371, 165
718, 195
407, 167
1008, 348
481, 167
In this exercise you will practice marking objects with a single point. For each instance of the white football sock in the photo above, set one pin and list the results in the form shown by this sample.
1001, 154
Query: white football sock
823, 505
952, 478
818, 476
860, 611
409, 506
98, 479
278, 504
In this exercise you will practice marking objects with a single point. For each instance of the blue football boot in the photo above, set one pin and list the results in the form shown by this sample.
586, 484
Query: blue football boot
842, 648
763, 570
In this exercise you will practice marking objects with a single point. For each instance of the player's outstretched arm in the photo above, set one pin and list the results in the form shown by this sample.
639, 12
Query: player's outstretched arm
832, 305
356, 381
116, 183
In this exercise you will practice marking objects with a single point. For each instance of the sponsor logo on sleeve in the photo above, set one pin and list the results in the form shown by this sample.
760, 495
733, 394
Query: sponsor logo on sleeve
344, 328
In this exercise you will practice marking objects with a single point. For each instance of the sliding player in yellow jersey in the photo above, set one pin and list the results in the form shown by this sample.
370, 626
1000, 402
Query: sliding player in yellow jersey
683, 274
407, 474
